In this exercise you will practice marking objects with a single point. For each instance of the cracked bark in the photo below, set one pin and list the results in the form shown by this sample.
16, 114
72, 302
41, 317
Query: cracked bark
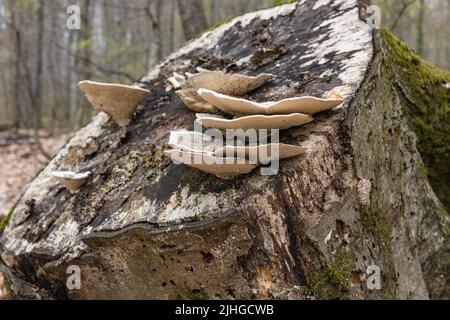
142, 227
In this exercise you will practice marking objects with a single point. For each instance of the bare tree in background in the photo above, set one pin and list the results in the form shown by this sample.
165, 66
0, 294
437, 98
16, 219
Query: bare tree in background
41, 60
420, 27
38, 79
83, 58
193, 19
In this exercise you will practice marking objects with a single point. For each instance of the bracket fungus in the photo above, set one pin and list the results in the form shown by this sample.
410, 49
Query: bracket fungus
208, 92
192, 141
234, 84
279, 121
201, 151
195, 102
117, 100
219, 81
71, 180
307, 104
224, 168
3, 287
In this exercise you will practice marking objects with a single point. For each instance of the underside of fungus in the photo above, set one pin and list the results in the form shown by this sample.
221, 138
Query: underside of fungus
3, 288
71, 180
201, 151
194, 102
192, 141
224, 168
280, 121
117, 100
307, 105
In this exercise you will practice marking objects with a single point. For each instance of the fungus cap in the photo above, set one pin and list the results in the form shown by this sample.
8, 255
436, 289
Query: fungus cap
117, 100
71, 180
227, 83
307, 105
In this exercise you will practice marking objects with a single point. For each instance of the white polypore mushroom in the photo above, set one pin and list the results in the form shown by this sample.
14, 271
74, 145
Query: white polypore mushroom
227, 83
71, 180
232, 84
306, 104
3, 287
192, 141
194, 102
224, 168
198, 142
117, 100
283, 121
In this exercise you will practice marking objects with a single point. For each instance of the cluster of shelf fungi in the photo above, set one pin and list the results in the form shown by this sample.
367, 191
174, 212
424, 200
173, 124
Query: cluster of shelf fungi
216, 97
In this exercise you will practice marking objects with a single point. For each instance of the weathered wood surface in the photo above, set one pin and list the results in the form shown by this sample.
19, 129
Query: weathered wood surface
142, 227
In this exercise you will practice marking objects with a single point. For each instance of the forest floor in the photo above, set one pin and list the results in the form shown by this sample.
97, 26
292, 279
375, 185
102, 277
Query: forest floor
21, 159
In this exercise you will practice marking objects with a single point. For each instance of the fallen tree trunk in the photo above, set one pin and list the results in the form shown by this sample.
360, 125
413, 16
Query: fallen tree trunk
364, 195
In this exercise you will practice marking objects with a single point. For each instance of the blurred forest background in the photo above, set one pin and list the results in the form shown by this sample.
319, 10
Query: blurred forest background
41, 61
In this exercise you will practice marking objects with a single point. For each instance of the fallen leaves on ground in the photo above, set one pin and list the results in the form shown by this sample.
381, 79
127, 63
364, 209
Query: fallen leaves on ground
21, 160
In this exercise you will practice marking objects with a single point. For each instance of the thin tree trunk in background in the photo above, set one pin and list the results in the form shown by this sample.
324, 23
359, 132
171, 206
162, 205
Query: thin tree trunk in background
172, 26
215, 12
193, 19
404, 8
17, 54
155, 20
36, 97
37, 103
420, 28
70, 111
54, 60
83, 57
158, 30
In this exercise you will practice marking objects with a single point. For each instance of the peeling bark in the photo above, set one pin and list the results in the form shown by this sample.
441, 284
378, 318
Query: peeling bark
143, 227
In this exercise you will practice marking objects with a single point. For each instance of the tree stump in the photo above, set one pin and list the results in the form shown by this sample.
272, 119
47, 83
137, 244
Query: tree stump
372, 191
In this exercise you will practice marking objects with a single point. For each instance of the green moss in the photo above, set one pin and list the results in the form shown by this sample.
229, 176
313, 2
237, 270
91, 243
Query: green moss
388, 282
332, 282
4, 222
422, 170
375, 222
281, 2
427, 109
445, 222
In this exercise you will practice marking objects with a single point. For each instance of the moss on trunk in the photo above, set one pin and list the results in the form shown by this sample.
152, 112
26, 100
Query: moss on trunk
427, 109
